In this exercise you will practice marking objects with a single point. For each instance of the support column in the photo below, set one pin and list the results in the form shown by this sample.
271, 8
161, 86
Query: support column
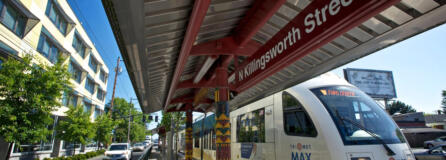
223, 126
188, 137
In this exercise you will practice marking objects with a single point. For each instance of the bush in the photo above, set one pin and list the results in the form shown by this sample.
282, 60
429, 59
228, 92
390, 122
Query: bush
79, 156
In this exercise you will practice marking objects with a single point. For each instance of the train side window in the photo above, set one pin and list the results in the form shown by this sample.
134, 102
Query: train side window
251, 126
296, 120
213, 140
197, 142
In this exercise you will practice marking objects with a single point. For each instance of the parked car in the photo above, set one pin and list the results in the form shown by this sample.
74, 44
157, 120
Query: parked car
138, 147
145, 144
435, 142
119, 151
437, 152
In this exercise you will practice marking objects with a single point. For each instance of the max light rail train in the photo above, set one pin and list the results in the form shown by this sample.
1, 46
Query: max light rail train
321, 119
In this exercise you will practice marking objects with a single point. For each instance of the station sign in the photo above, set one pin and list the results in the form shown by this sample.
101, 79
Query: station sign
316, 25
376, 83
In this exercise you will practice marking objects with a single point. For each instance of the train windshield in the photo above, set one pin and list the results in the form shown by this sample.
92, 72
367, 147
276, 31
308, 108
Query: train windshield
359, 119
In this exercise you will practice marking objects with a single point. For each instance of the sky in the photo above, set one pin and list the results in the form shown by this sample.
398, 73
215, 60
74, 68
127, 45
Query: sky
418, 64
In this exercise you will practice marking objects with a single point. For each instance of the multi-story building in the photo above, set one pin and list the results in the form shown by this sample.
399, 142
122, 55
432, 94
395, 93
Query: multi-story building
47, 29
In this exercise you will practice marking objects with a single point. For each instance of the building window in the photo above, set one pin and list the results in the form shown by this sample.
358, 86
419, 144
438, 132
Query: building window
12, 18
87, 106
47, 48
100, 95
296, 120
251, 126
56, 17
75, 71
79, 45
97, 112
68, 146
103, 76
69, 99
93, 63
90, 85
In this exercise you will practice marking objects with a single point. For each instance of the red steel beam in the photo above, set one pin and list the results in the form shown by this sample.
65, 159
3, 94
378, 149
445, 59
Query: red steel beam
193, 27
225, 46
255, 18
188, 102
319, 23
191, 84
205, 83
241, 44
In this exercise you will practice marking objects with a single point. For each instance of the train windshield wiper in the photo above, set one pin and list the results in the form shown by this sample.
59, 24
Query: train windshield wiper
390, 152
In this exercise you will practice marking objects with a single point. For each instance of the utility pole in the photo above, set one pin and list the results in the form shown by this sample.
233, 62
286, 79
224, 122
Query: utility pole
114, 85
130, 116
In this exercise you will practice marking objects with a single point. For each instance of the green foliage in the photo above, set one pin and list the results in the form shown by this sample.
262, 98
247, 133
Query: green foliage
121, 110
178, 118
29, 92
166, 120
137, 133
104, 126
76, 127
400, 107
79, 156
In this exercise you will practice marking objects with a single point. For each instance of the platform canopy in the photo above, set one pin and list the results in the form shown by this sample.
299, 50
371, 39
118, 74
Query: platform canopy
172, 48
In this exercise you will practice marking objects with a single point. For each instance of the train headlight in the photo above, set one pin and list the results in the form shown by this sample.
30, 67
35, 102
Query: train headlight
360, 158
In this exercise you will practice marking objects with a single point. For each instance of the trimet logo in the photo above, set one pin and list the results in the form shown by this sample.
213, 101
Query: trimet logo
302, 153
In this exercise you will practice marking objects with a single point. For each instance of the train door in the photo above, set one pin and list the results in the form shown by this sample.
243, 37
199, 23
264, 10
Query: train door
296, 135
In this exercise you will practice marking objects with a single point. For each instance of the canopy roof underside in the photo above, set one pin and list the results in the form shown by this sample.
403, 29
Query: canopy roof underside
150, 35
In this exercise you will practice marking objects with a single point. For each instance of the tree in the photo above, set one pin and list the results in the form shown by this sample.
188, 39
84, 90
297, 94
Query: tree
29, 92
138, 132
104, 126
178, 119
76, 127
400, 107
121, 110
443, 101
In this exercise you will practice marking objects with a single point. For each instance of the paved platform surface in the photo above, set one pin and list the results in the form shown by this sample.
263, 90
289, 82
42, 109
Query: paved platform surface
157, 155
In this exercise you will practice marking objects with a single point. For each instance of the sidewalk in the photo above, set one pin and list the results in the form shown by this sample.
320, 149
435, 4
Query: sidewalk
100, 157
156, 155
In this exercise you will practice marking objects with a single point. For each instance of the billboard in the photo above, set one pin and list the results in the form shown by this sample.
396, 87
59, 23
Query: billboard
376, 83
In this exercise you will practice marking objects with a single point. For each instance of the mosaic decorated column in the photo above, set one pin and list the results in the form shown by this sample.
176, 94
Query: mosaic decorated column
188, 137
222, 126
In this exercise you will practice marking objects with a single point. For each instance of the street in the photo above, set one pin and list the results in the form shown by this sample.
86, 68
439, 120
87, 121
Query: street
135, 155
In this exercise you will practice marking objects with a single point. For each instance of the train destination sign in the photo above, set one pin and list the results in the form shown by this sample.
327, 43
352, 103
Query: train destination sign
319, 23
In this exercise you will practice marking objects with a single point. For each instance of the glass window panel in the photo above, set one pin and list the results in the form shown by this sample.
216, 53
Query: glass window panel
73, 101
9, 17
1, 5
20, 28
45, 48
251, 126
54, 54
87, 107
355, 114
296, 120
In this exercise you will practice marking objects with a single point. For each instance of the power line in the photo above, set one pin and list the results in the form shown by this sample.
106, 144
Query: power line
92, 32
